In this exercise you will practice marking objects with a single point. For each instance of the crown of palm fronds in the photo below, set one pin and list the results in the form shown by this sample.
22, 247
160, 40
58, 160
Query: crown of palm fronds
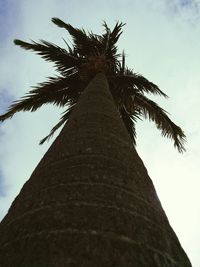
77, 65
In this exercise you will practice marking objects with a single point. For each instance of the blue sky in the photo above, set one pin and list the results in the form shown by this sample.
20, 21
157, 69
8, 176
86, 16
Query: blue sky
7, 17
162, 42
186, 3
188, 10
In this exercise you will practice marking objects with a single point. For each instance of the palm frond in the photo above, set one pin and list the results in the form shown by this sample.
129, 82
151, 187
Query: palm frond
145, 85
57, 90
108, 41
138, 82
153, 112
82, 43
51, 52
63, 119
122, 69
114, 34
129, 122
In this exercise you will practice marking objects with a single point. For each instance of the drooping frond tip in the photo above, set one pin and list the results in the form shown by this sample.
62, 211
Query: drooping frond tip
180, 141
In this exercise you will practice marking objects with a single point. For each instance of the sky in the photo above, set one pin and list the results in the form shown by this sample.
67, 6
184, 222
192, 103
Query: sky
162, 42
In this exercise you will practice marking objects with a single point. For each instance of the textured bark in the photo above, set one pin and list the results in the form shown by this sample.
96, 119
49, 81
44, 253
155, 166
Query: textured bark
90, 201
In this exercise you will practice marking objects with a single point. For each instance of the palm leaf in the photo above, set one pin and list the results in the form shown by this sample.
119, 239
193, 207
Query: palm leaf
122, 67
117, 31
108, 41
153, 112
129, 122
82, 43
63, 119
137, 82
51, 52
57, 90
111, 37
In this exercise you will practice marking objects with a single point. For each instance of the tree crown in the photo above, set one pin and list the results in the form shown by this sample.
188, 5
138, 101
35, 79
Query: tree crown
77, 65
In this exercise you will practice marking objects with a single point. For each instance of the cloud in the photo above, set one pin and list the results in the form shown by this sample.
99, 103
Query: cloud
187, 10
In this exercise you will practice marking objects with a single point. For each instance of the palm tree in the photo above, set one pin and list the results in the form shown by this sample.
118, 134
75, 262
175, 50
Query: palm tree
90, 201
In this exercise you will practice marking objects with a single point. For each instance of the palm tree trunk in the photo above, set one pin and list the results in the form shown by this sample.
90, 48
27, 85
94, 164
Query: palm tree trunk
90, 201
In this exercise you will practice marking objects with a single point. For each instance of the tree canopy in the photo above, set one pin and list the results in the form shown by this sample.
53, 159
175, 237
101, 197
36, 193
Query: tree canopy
78, 64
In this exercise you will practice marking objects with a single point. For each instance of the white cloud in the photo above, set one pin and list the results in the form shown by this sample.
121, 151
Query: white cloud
161, 40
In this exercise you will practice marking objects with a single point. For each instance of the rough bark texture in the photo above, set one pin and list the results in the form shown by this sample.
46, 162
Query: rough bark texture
90, 201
